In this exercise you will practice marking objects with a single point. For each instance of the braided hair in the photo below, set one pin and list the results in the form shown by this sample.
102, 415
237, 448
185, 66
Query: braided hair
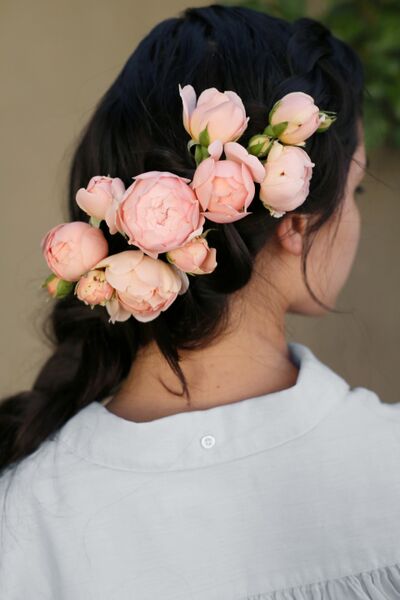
137, 127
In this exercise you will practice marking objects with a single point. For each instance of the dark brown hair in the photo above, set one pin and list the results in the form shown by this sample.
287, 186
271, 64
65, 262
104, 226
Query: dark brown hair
136, 127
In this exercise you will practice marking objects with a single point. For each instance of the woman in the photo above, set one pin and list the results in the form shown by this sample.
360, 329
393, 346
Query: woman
266, 477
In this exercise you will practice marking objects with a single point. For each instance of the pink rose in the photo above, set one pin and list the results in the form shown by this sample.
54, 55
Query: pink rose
225, 188
159, 212
92, 288
223, 113
144, 286
71, 249
101, 198
288, 170
302, 115
195, 257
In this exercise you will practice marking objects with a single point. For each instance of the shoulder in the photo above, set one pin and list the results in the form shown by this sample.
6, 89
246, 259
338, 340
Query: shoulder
18, 484
363, 413
369, 400
361, 443
23, 554
365, 404
28, 486
32, 498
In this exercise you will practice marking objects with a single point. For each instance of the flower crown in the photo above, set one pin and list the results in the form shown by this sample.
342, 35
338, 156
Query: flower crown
163, 213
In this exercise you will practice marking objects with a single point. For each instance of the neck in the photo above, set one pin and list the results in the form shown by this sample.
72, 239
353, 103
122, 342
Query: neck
243, 363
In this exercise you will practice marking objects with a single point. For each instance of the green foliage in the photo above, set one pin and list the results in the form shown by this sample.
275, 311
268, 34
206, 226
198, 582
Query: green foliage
372, 28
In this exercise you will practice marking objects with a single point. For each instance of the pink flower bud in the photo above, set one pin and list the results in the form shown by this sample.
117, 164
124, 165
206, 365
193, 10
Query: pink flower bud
222, 113
51, 285
301, 114
195, 257
93, 288
288, 170
71, 249
225, 188
101, 199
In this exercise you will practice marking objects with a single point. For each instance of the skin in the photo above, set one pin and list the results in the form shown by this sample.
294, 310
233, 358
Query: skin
252, 357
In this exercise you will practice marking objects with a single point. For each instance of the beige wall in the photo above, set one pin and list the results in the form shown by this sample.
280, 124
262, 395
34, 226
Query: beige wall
57, 58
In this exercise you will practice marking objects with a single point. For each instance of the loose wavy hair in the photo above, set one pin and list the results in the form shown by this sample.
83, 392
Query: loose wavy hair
137, 126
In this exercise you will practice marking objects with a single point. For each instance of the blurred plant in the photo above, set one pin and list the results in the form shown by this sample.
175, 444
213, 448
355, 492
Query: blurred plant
372, 28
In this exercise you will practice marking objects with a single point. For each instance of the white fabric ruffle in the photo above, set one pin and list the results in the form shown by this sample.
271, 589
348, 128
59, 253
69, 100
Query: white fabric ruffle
377, 584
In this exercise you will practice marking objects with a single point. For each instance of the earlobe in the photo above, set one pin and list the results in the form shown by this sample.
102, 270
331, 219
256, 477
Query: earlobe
290, 233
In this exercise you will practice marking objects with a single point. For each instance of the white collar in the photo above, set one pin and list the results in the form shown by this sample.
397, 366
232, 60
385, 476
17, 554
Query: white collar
232, 430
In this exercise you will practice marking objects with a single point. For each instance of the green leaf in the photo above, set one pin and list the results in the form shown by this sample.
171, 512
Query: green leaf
292, 9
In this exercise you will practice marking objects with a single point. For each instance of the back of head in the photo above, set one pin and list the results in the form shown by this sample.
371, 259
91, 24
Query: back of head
137, 127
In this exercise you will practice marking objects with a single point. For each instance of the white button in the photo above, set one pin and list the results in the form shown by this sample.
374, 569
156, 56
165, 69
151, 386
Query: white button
207, 441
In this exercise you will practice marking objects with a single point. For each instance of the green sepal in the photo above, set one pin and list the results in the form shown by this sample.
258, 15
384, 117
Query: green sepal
169, 259
331, 118
266, 152
200, 154
64, 288
269, 131
255, 149
95, 222
204, 137
48, 279
273, 109
189, 145
205, 152
279, 128
203, 235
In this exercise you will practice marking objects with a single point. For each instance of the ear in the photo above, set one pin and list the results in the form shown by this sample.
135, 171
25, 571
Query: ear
290, 232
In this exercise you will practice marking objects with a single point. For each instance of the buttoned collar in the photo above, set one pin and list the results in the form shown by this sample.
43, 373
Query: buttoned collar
202, 438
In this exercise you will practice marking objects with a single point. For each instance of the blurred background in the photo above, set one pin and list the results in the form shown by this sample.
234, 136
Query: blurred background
57, 59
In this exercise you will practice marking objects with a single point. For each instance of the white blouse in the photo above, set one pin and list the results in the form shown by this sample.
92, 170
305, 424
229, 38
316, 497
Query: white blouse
293, 495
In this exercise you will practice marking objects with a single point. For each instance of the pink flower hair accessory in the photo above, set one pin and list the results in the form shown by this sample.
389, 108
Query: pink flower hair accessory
162, 213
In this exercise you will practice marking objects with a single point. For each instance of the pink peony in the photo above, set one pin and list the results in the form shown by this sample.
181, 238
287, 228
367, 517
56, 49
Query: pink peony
288, 170
225, 188
144, 286
101, 198
92, 288
195, 257
223, 113
159, 212
302, 115
71, 249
